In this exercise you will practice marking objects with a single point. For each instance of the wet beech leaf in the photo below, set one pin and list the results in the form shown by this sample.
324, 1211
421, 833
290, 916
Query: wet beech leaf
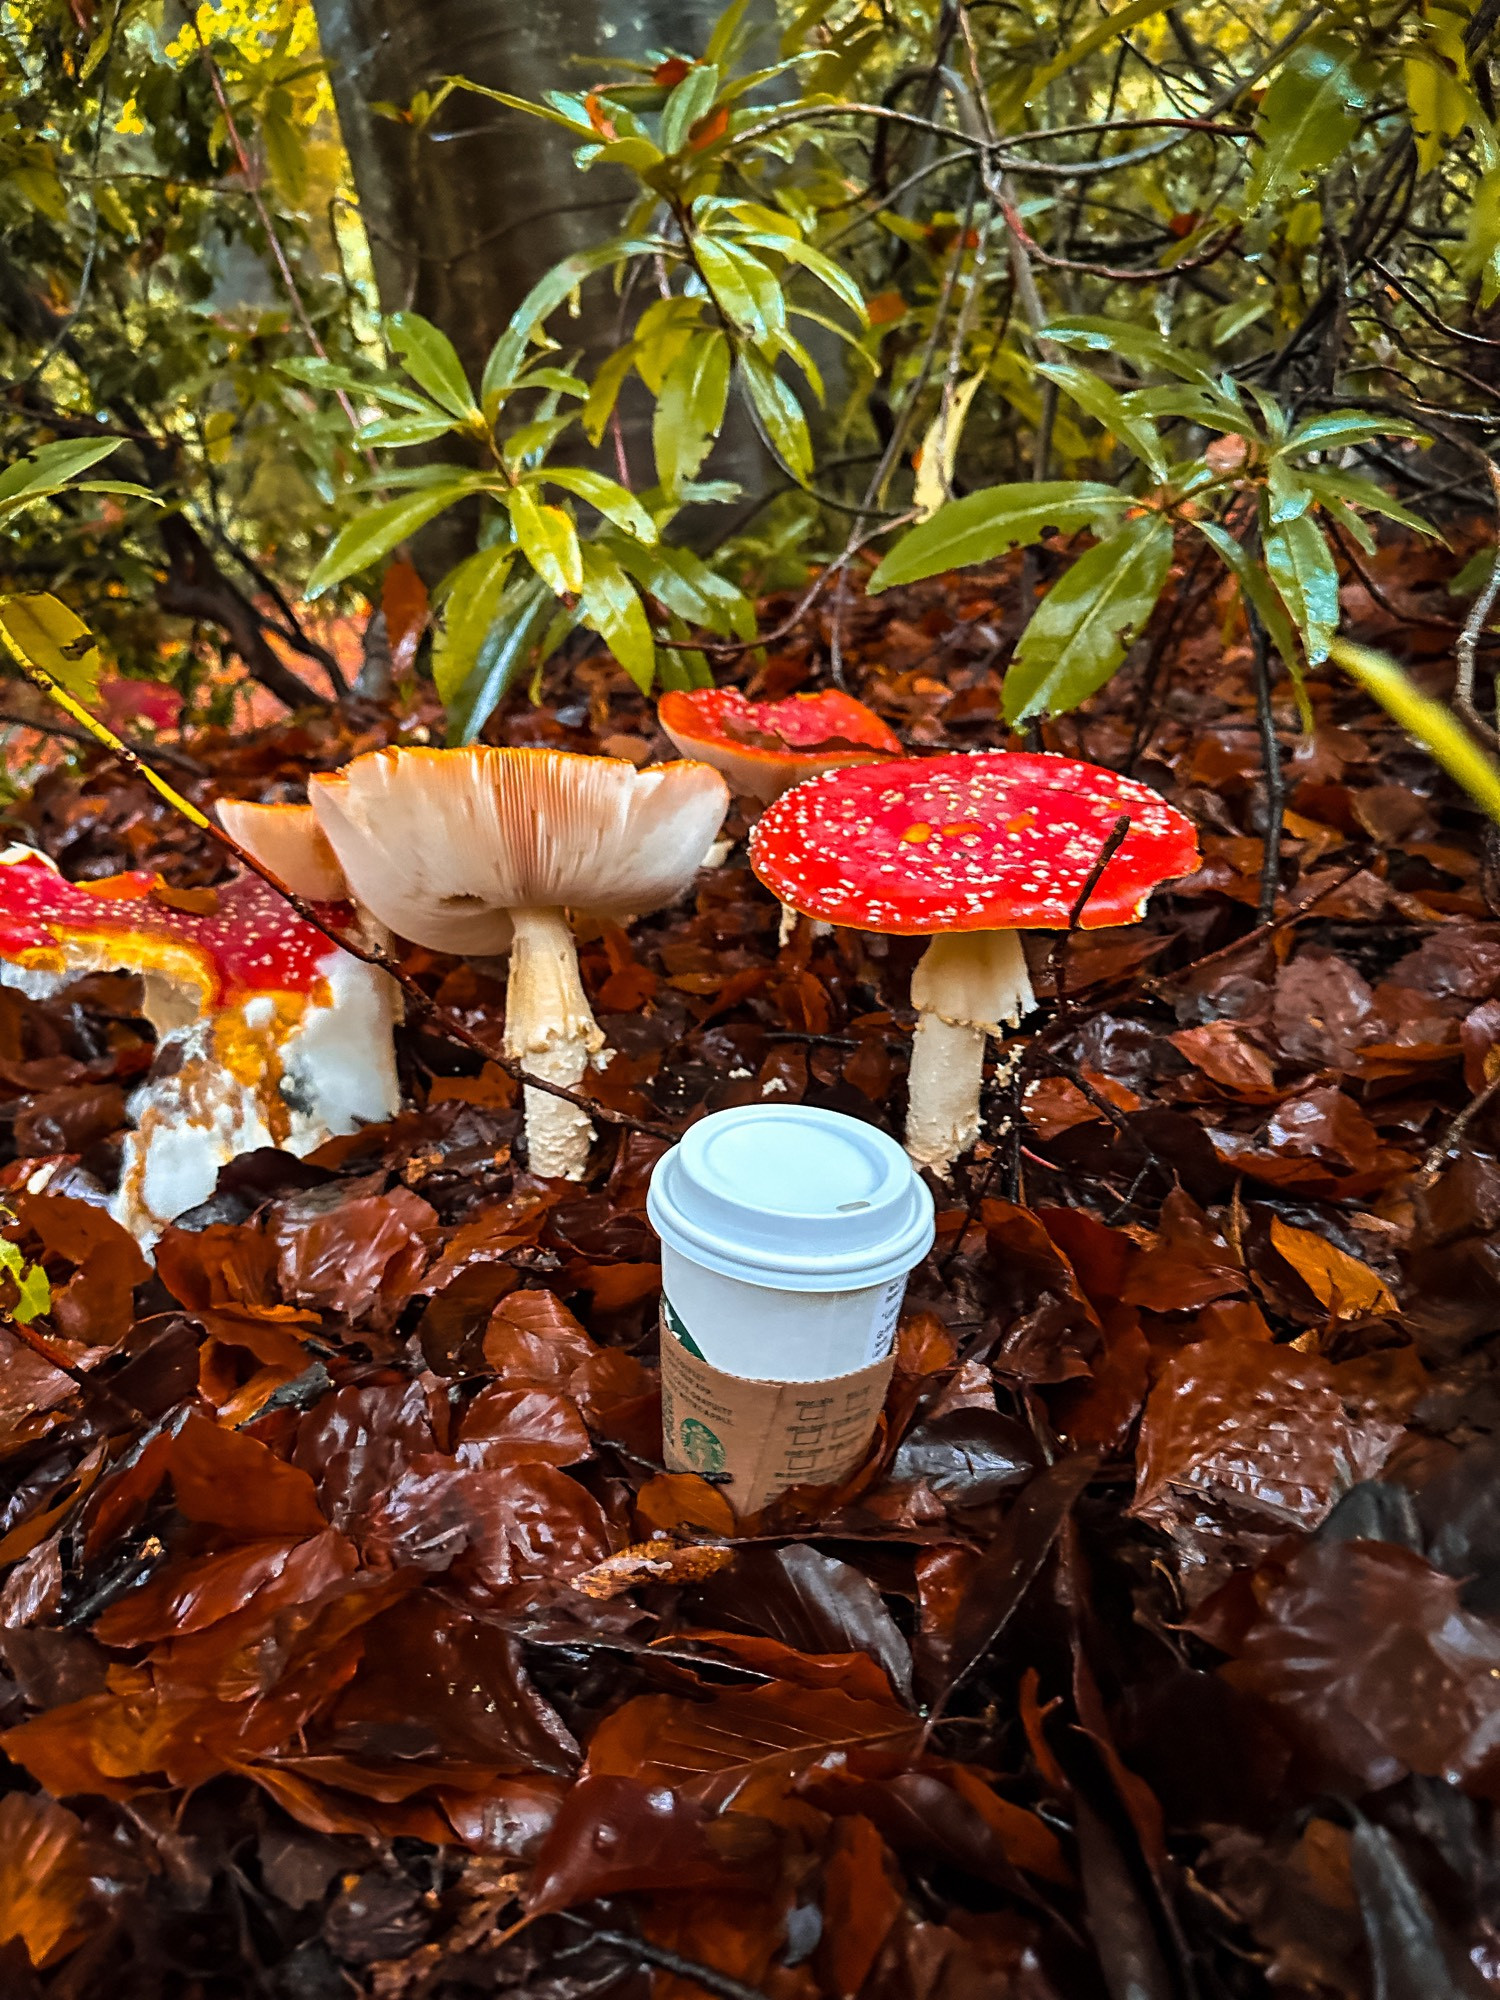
712, 1751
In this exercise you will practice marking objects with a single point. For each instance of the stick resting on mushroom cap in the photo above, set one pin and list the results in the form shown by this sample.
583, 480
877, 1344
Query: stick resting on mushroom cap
967, 850
466, 850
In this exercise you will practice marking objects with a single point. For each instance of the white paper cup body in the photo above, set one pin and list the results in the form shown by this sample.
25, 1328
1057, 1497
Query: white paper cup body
777, 1336
787, 1236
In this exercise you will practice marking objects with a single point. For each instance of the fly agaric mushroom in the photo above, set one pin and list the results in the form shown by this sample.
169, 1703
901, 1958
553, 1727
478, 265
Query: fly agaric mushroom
288, 840
763, 748
269, 1034
967, 850
474, 850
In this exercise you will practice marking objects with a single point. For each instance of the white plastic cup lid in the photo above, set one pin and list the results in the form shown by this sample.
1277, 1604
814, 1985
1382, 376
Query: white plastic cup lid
794, 1198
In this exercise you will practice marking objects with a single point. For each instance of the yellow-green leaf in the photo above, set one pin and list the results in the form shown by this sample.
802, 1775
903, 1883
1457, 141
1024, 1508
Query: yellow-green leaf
470, 603
548, 539
1436, 728
53, 638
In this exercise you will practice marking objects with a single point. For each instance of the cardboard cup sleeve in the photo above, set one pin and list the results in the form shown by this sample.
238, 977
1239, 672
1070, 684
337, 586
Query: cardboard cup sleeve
755, 1439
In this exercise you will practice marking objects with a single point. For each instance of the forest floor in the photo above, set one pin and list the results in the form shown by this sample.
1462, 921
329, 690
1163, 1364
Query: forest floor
1154, 1650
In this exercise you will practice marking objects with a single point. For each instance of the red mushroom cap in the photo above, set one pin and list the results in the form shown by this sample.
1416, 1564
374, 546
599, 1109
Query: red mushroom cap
994, 840
762, 747
228, 942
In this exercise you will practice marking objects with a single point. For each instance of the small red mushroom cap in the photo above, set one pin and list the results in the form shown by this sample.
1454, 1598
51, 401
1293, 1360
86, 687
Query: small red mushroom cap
762, 747
994, 840
228, 942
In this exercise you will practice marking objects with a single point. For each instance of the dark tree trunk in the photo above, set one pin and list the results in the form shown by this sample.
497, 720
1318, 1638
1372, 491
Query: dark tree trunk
465, 216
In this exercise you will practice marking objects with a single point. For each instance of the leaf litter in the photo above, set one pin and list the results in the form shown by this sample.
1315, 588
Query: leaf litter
354, 1638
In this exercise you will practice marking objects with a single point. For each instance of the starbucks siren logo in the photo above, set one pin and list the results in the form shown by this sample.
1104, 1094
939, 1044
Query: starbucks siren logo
701, 1447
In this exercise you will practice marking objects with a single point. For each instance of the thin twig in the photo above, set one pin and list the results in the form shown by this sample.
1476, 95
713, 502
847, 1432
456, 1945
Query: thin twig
1261, 932
1466, 650
1433, 1165
706, 1976
163, 753
1057, 957
1270, 749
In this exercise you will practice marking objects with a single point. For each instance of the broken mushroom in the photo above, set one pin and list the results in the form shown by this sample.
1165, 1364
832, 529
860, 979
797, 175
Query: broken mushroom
269, 1034
288, 840
967, 850
473, 851
763, 748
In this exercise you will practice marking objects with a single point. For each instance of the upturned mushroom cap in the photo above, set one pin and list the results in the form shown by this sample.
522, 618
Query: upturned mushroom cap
288, 840
440, 844
992, 840
763, 747
221, 944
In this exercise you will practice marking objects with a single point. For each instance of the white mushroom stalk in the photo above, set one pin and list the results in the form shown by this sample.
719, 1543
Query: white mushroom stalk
481, 850
550, 1030
968, 985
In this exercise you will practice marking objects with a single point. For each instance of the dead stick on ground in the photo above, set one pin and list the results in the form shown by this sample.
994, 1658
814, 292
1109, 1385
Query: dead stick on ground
356, 948
1437, 1159
706, 1976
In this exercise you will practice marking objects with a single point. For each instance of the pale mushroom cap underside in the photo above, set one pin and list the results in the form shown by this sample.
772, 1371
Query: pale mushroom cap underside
440, 844
288, 840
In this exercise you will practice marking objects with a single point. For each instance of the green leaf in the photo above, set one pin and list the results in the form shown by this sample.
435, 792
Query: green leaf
320, 374
612, 607
1354, 490
745, 290
822, 267
523, 614
604, 391
396, 431
988, 523
1287, 493
1132, 343
689, 101
545, 296
548, 539
682, 581
576, 123
1308, 116
725, 37
1437, 91
779, 411
690, 409
1114, 411
607, 496
373, 534
1303, 571
1340, 428
52, 465
1256, 586
55, 639
431, 360
534, 440
1433, 726
286, 155
471, 603
1087, 622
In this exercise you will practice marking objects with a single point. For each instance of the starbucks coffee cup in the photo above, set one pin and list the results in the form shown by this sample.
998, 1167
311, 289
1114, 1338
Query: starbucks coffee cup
787, 1235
